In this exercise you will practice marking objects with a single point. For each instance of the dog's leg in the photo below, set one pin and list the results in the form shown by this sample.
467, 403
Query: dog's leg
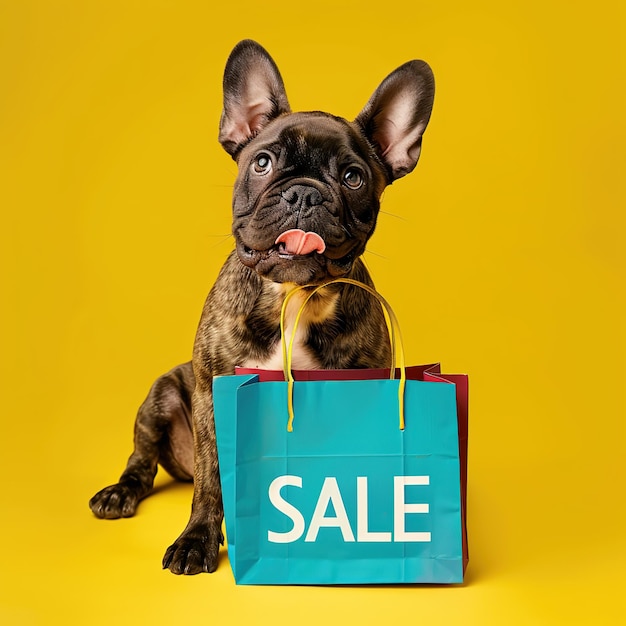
162, 435
196, 550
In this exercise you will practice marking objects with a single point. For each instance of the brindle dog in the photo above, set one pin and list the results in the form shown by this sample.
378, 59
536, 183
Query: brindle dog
305, 203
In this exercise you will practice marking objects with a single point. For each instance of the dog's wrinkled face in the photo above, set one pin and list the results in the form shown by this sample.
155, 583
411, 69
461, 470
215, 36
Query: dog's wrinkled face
307, 195
314, 177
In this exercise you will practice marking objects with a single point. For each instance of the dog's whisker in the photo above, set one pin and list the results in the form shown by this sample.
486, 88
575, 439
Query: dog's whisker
380, 256
398, 217
221, 241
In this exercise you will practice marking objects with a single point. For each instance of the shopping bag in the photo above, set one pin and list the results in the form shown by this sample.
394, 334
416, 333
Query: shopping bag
351, 494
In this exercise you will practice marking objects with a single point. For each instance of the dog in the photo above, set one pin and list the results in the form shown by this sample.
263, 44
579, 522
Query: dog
305, 203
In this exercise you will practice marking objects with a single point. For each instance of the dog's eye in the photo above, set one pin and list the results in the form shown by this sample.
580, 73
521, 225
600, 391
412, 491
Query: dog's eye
353, 178
262, 164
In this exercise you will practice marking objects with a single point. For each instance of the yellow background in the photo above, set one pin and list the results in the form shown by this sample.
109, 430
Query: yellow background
503, 254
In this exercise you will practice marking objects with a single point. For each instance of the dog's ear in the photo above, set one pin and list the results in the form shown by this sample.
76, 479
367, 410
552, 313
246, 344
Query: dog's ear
396, 116
254, 94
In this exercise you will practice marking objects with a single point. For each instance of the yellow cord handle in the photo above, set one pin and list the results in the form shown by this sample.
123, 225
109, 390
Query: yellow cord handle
392, 323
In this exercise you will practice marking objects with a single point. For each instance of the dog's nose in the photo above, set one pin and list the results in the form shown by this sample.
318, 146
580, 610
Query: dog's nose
302, 196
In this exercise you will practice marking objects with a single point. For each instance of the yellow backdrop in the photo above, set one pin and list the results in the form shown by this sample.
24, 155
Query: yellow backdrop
503, 254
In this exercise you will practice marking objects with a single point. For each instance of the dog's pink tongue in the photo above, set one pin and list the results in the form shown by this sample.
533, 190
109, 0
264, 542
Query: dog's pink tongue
300, 243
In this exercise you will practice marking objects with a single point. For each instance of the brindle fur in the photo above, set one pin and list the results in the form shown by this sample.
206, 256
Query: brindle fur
240, 319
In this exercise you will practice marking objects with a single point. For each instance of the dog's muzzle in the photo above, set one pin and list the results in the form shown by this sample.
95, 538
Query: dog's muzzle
296, 234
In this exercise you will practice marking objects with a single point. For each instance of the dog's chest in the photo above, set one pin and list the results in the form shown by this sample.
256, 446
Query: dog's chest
302, 357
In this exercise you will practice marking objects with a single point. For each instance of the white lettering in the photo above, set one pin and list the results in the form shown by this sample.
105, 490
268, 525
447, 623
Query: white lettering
400, 508
362, 523
330, 493
288, 509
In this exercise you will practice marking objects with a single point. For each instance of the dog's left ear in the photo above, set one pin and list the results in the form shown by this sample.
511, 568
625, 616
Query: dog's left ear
254, 94
397, 114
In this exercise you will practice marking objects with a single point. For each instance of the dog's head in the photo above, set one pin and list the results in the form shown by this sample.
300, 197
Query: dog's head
308, 192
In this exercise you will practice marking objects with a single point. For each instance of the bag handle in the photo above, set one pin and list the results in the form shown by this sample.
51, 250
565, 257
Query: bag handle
392, 323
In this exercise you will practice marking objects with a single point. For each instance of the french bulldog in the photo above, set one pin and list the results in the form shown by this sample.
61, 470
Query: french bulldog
305, 203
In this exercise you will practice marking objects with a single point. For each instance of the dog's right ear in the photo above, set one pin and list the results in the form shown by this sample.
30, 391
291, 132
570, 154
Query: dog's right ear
254, 94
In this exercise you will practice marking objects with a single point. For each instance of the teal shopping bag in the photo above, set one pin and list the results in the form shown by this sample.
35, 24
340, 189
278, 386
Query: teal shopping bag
345, 493
346, 497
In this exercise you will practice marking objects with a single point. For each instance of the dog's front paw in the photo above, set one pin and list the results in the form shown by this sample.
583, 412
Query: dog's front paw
115, 501
193, 553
